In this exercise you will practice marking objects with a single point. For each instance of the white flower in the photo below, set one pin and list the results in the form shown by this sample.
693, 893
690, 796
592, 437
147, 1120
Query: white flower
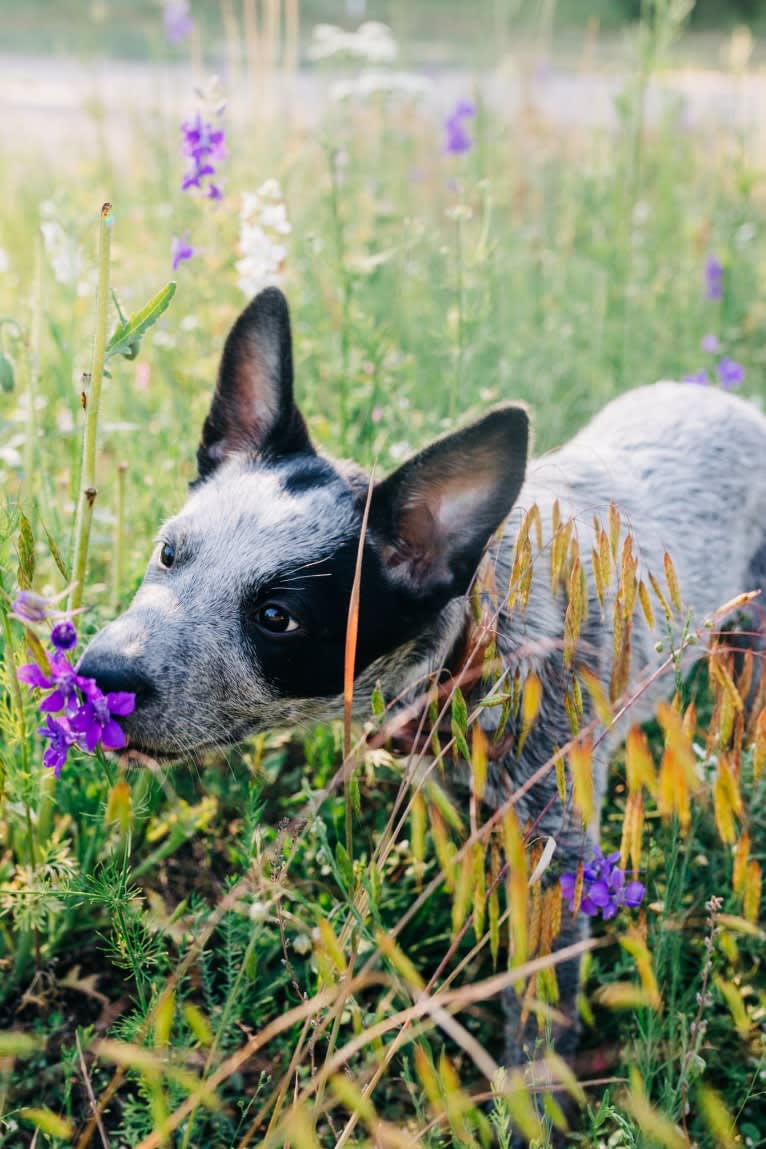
274, 218
302, 944
372, 41
375, 82
5, 262
62, 251
263, 223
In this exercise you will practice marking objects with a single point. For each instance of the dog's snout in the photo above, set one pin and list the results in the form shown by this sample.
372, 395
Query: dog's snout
117, 676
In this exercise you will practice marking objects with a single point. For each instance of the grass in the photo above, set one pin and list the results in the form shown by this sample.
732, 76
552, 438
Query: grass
156, 925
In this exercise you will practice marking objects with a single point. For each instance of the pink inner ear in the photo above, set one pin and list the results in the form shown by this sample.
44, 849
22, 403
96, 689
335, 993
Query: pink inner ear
255, 399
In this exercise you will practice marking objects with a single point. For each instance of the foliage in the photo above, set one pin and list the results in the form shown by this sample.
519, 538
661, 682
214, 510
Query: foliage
244, 952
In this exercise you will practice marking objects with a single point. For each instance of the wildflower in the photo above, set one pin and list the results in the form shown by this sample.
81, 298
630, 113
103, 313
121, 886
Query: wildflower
94, 721
263, 227
62, 251
61, 737
458, 140
205, 146
696, 377
379, 82
730, 373
711, 344
372, 41
604, 888
64, 635
62, 679
180, 250
178, 21
30, 607
713, 278
84, 714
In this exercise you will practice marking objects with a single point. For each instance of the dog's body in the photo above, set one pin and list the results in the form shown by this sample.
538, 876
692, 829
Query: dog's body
241, 621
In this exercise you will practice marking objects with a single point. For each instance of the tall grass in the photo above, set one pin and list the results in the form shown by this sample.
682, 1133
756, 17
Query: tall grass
264, 948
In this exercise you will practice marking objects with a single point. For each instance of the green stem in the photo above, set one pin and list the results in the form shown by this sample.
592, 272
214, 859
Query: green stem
457, 382
88, 477
118, 554
345, 278
33, 374
220, 1032
15, 689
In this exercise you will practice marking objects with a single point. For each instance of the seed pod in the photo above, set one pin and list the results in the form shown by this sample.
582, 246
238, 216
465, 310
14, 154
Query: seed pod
7, 374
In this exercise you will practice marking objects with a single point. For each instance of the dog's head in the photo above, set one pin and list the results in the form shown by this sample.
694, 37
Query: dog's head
240, 623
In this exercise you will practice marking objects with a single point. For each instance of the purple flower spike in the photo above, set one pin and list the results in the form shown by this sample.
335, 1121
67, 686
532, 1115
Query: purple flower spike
730, 373
181, 250
30, 607
64, 635
61, 737
700, 377
713, 279
85, 716
94, 722
205, 146
178, 20
458, 140
604, 889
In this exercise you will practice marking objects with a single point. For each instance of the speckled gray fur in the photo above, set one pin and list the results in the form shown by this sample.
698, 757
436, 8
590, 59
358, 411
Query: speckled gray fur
685, 465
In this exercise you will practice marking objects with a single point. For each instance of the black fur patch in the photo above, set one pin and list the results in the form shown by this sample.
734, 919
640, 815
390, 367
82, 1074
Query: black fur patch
306, 473
309, 663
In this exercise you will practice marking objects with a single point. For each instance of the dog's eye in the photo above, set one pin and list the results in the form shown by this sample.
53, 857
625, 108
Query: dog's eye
167, 555
275, 619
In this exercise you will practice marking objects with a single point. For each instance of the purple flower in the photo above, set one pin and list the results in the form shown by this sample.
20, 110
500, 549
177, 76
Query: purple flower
713, 278
711, 344
202, 139
61, 737
64, 635
86, 715
63, 681
730, 373
181, 249
458, 140
94, 723
696, 377
604, 888
205, 146
30, 607
178, 20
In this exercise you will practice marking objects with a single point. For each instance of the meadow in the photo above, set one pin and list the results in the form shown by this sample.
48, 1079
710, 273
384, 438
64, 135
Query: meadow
287, 944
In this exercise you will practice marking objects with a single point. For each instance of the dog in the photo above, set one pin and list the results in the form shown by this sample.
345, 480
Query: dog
240, 623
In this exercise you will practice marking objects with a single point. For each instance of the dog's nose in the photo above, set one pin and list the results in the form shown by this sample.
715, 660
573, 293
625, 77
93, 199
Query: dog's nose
114, 676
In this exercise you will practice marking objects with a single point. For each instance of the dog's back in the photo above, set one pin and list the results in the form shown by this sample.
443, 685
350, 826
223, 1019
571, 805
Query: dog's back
685, 466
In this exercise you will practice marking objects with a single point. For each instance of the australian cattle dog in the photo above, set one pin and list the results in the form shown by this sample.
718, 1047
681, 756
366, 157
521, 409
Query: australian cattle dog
240, 623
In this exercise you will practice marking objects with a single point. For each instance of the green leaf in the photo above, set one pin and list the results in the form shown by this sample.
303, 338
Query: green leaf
378, 702
7, 377
16, 1044
25, 548
344, 865
49, 1122
126, 338
460, 722
64, 568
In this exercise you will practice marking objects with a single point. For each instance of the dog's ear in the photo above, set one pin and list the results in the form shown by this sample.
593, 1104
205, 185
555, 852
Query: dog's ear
433, 517
253, 410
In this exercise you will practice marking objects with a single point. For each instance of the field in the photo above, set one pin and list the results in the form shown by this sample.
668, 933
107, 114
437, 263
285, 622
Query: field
287, 944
